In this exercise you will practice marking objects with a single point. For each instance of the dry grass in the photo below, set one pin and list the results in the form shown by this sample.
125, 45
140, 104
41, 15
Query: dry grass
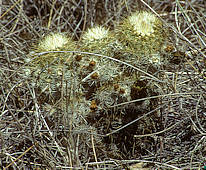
31, 137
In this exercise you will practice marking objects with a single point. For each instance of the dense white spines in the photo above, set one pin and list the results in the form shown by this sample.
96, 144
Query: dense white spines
95, 33
53, 41
143, 23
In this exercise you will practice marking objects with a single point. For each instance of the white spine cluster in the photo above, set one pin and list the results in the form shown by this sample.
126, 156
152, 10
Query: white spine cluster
96, 33
143, 22
53, 42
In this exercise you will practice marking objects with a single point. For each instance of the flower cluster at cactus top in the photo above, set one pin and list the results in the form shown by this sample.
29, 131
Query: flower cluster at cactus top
143, 22
96, 33
53, 41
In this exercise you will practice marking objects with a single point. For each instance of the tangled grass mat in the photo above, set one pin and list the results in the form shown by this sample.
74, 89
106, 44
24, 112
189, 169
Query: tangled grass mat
128, 101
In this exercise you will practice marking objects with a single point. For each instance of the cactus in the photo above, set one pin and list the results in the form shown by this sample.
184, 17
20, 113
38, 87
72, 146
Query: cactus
143, 37
53, 42
96, 71
51, 72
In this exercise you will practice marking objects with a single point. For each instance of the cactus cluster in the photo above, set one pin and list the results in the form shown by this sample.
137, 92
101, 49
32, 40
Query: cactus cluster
90, 83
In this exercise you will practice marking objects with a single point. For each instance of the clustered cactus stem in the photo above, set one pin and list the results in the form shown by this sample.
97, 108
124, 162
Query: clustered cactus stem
142, 37
53, 42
